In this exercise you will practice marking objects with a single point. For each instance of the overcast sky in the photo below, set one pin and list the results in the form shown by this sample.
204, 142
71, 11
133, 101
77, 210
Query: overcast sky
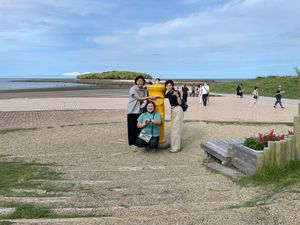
166, 38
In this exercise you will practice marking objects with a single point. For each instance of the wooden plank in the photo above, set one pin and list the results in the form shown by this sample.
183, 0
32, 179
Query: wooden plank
219, 149
234, 174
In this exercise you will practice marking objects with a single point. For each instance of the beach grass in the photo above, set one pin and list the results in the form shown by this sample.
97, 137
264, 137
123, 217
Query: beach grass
22, 175
267, 86
272, 180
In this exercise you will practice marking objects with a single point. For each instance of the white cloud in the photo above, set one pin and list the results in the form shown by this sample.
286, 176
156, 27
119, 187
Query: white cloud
105, 40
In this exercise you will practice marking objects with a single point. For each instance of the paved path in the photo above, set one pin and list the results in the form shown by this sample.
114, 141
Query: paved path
16, 113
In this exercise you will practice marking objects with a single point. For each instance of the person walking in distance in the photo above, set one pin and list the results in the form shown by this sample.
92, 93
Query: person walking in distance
200, 90
279, 93
193, 90
205, 93
185, 93
255, 97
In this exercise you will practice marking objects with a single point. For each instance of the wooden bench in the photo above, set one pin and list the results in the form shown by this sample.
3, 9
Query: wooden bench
219, 149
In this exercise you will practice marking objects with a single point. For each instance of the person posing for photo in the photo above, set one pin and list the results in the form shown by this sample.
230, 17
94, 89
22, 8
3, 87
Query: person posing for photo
176, 116
137, 95
149, 122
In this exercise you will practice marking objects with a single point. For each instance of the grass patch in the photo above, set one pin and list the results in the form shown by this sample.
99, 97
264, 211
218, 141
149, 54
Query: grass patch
274, 177
267, 86
28, 211
273, 180
20, 175
5, 223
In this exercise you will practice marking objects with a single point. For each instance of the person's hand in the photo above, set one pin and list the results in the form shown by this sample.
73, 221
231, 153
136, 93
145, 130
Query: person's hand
147, 121
176, 94
152, 97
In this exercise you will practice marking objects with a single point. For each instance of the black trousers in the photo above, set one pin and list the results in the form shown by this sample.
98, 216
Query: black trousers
133, 130
204, 99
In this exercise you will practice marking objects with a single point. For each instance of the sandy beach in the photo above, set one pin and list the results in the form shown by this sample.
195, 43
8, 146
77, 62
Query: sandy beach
84, 133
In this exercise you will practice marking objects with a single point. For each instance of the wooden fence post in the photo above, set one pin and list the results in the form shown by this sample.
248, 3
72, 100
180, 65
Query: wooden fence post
260, 161
297, 135
266, 160
283, 153
277, 153
289, 149
272, 146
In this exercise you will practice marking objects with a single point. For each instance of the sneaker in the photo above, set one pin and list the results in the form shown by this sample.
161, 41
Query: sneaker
274, 106
282, 107
174, 150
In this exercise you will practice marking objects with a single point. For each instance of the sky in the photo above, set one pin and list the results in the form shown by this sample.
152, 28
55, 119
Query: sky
165, 38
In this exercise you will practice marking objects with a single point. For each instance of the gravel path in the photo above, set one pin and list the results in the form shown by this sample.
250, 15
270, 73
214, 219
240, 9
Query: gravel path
124, 185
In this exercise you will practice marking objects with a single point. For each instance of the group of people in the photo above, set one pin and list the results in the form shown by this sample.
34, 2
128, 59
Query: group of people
143, 127
201, 91
278, 95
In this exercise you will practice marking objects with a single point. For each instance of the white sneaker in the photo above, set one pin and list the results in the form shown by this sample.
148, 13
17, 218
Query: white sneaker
174, 150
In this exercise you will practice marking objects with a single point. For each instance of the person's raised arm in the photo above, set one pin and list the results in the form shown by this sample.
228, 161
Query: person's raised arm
140, 98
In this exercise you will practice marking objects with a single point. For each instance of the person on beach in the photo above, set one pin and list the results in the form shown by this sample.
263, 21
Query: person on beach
185, 91
149, 122
205, 93
240, 90
255, 97
193, 90
157, 81
176, 116
137, 95
200, 92
279, 93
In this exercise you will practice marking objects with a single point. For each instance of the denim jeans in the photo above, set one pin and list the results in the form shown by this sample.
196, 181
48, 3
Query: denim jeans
278, 100
153, 143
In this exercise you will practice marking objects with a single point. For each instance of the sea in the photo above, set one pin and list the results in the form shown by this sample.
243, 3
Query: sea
13, 84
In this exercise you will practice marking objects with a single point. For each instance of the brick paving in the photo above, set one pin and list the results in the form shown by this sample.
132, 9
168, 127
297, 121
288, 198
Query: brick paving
18, 113
32, 119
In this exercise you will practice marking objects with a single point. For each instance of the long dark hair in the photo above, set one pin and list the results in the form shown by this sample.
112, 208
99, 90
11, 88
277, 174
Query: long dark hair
139, 77
170, 82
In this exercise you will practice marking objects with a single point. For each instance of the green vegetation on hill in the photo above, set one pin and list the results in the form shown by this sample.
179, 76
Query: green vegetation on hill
267, 86
120, 75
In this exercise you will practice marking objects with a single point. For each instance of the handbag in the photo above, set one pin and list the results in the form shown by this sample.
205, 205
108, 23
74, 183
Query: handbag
146, 136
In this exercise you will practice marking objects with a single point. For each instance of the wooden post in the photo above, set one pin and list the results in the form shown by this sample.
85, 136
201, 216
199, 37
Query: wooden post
266, 156
289, 149
272, 146
283, 153
297, 135
277, 153
260, 161
292, 137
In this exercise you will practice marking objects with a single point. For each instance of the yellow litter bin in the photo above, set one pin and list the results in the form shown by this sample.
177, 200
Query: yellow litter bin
158, 91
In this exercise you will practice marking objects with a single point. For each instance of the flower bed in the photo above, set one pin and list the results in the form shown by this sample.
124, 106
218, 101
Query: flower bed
263, 151
261, 141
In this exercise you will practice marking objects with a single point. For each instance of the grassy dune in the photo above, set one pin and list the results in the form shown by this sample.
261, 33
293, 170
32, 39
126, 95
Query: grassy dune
267, 86
120, 75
